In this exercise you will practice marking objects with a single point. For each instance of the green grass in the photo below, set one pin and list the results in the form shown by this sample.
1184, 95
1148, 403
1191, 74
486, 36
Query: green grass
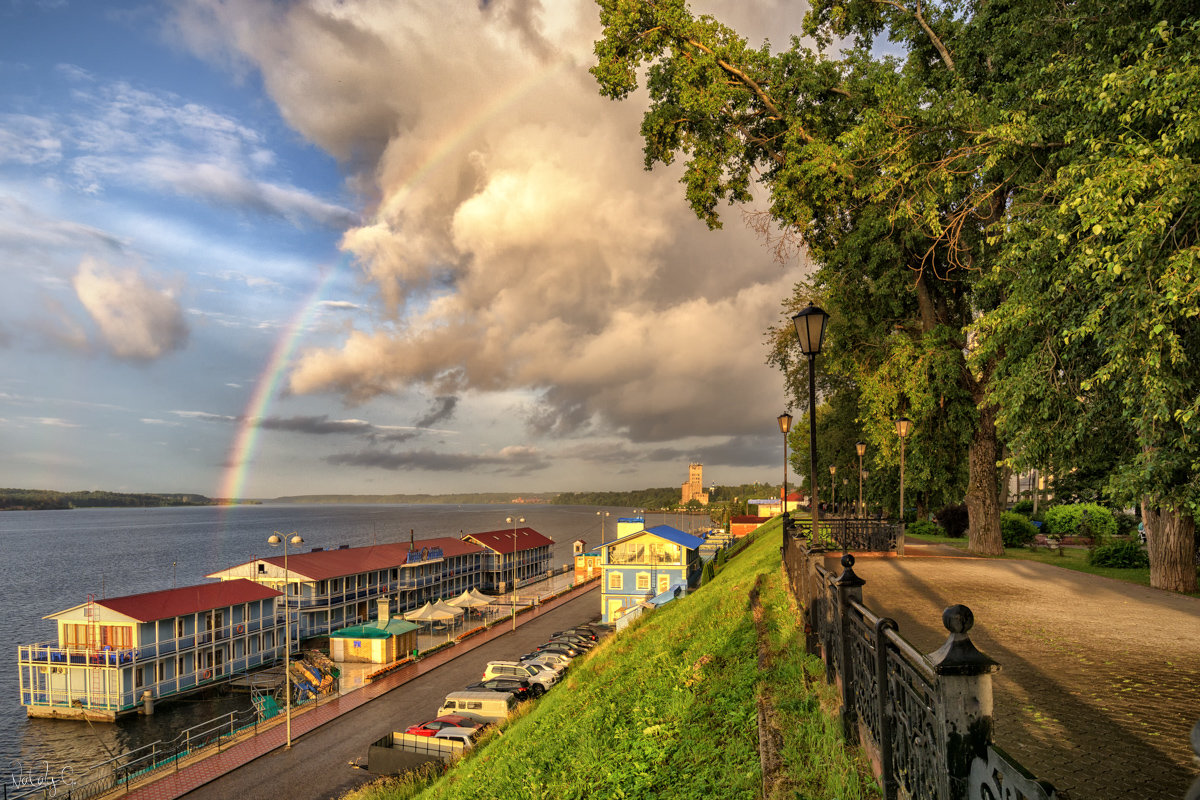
668, 707
1067, 558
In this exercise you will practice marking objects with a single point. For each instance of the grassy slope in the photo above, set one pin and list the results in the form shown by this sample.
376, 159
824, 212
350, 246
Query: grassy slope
667, 709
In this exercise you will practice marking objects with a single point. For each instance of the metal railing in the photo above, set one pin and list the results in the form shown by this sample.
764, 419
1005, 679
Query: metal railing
924, 720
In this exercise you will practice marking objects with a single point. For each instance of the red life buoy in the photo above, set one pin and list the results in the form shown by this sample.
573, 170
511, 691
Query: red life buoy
241, 628
207, 674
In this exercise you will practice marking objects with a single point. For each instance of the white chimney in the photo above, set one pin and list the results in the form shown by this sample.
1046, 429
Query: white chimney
385, 609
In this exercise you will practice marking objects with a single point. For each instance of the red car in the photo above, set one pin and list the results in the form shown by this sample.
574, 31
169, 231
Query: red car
449, 721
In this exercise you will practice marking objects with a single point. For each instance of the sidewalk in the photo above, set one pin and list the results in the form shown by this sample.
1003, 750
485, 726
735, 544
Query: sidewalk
1099, 684
203, 768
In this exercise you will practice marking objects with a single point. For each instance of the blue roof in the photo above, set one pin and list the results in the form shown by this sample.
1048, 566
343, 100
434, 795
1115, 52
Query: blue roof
675, 535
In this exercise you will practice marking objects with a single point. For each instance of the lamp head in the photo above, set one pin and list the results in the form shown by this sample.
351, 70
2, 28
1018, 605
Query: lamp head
833, 469
810, 329
861, 447
903, 427
785, 422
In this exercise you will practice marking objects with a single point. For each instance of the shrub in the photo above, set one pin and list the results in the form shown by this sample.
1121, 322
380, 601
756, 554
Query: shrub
953, 520
1023, 507
1081, 519
922, 527
706, 575
1016, 529
1126, 523
1119, 553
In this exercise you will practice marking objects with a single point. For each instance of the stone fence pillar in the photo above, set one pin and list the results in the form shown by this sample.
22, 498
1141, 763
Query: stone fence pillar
965, 699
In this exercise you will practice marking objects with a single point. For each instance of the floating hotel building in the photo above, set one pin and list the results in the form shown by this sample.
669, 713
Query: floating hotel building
114, 654
111, 652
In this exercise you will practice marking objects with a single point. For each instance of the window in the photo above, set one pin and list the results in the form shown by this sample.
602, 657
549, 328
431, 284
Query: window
262, 568
179, 627
160, 671
182, 667
615, 581
664, 583
643, 581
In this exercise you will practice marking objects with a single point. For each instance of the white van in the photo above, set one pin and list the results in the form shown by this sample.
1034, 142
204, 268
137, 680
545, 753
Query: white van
543, 676
485, 705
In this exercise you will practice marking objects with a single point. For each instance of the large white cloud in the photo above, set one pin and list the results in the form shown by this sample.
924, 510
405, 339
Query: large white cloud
138, 320
514, 238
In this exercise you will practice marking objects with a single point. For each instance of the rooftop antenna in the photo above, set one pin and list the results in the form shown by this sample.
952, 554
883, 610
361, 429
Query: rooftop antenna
412, 539
174, 564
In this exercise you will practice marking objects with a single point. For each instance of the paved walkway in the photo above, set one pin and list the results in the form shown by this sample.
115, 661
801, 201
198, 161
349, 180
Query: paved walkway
200, 770
1099, 684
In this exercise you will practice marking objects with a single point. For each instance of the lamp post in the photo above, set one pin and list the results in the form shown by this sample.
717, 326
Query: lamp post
833, 488
863, 477
276, 539
810, 330
785, 425
903, 428
861, 448
603, 515
513, 522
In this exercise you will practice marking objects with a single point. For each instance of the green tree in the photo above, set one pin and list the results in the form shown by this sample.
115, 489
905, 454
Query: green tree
1096, 340
870, 166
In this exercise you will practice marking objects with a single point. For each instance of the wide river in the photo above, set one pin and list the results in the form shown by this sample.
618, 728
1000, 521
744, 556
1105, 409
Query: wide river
52, 560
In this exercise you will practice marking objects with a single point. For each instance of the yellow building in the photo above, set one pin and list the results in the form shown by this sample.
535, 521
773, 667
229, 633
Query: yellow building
694, 488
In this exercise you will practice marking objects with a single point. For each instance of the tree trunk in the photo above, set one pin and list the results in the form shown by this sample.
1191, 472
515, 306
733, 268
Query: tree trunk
1171, 540
983, 495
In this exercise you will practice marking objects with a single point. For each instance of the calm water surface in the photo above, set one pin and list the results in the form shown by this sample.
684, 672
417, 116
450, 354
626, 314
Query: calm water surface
52, 560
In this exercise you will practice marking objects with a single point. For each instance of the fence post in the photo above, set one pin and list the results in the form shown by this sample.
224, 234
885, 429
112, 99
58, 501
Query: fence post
1194, 792
964, 704
849, 587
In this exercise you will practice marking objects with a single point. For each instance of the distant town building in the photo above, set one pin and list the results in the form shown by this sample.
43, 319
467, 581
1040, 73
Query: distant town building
694, 488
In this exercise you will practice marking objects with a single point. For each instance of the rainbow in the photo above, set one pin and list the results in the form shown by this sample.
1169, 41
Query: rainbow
241, 454
233, 480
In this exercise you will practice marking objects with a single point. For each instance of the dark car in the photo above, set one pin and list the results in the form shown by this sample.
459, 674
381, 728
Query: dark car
523, 690
447, 721
583, 633
574, 640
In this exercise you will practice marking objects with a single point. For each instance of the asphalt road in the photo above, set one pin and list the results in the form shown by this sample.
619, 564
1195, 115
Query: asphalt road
318, 765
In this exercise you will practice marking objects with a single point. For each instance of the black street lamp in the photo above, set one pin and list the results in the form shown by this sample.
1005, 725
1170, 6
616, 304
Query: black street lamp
276, 539
785, 425
903, 428
810, 330
833, 489
861, 448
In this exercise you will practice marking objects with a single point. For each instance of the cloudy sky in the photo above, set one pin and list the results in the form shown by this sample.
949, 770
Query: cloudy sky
273, 248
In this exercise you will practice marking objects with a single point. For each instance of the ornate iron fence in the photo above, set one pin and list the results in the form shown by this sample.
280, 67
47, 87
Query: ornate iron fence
849, 533
924, 720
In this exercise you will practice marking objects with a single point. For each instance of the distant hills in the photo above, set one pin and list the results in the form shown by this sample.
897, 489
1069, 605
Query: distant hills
45, 499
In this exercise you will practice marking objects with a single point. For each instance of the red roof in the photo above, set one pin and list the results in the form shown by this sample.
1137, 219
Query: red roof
324, 564
167, 603
502, 541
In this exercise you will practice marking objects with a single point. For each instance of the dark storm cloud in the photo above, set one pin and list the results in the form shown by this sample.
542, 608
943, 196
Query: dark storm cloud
516, 460
443, 408
320, 425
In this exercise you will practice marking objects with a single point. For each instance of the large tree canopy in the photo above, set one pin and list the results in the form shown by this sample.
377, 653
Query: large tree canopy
1012, 153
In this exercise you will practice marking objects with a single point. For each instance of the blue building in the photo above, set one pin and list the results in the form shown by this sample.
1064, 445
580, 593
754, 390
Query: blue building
645, 564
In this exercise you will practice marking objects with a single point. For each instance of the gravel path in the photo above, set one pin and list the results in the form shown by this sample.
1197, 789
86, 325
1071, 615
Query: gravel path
1100, 680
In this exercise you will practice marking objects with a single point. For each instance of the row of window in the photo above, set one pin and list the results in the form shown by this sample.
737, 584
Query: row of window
616, 582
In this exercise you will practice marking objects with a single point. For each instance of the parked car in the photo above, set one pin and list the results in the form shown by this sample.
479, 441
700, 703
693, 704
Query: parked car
556, 662
521, 689
559, 661
586, 633
455, 721
514, 669
573, 639
558, 647
482, 704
